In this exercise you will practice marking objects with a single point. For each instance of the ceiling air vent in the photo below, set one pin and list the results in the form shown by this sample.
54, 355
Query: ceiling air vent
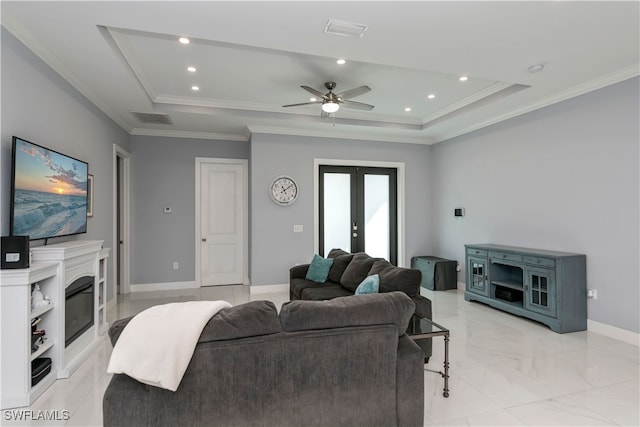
344, 28
153, 118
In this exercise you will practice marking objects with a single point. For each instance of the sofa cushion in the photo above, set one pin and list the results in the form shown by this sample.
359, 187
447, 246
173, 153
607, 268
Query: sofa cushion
394, 278
370, 285
298, 285
357, 270
336, 252
341, 260
325, 291
246, 320
319, 269
394, 308
251, 319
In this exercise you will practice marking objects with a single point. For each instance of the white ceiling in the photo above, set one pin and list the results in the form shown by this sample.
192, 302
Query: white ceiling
252, 58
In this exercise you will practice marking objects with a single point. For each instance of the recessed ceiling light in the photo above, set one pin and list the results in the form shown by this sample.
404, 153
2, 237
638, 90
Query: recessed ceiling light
191, 69
195, 88
536, 68
341, 61
463, 78
407, 109
184, 40
431, 96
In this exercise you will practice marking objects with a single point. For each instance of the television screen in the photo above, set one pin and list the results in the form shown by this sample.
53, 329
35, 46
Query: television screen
48, 192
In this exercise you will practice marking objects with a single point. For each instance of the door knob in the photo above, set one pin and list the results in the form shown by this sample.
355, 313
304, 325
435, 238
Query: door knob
204, 239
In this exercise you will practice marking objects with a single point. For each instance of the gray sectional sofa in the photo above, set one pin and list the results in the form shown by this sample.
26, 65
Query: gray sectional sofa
343, 362
347, 272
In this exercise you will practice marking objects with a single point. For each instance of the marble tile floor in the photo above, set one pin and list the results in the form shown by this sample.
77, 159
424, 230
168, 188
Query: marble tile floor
504, 370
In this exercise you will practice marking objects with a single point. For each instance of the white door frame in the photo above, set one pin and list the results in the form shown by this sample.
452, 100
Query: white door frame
245, 213
125, 221
399, 166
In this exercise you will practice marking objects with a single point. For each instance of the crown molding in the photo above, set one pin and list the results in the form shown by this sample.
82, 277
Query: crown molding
477, 96
333, 134
599, 83
189, 134
50, 60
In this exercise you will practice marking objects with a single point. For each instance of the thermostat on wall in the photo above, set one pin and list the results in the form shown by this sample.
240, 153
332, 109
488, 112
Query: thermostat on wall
458, 212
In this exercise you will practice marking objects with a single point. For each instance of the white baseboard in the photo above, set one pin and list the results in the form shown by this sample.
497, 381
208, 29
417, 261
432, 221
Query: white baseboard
165, 286
267, 289
614, 332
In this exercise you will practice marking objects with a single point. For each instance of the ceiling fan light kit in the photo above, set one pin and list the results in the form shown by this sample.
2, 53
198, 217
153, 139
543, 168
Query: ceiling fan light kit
330, 107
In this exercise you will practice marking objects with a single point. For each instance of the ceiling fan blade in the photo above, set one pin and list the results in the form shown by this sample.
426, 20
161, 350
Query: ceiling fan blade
352, 93
357, 105
302, 103
315, 92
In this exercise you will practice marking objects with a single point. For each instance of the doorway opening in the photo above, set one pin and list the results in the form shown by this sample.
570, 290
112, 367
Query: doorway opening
121, 231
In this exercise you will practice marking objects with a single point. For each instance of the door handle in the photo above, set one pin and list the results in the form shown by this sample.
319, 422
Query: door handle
204, 239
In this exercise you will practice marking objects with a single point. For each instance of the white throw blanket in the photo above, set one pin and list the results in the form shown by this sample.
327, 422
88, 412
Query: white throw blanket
156, 346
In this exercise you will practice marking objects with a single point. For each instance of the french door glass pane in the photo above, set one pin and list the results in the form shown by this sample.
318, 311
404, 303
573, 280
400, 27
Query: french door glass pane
376, 215
337, 211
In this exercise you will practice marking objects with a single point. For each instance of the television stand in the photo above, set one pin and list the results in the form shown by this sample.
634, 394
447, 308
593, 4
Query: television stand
546, 286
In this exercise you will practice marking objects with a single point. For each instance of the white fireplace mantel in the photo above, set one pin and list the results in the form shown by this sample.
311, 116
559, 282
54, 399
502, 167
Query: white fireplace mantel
53, 267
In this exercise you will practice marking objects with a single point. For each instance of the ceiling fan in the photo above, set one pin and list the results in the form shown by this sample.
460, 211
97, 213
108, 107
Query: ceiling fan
331, 101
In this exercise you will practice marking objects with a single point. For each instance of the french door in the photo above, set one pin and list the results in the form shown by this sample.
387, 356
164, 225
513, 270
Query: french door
358, 210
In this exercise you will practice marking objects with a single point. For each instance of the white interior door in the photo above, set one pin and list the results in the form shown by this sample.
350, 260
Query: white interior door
223, 223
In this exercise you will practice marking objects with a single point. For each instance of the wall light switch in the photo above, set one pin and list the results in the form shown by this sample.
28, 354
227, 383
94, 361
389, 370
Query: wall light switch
298, 228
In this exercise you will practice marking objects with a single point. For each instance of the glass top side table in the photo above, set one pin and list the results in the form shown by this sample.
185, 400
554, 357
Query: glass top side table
420, 328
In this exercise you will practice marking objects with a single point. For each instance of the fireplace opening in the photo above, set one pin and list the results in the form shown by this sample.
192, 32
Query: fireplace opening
78, 309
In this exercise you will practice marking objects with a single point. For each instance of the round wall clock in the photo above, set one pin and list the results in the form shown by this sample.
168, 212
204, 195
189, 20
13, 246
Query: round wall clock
283, 190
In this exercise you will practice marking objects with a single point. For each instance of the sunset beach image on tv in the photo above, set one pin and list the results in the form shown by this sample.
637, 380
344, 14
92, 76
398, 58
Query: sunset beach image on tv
49, 196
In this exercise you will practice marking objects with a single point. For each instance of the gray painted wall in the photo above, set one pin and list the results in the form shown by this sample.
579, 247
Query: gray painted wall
39, 106
564, 177
275, 247
163, 174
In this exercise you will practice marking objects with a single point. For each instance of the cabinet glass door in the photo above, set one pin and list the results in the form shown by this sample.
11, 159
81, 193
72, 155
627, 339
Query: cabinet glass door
540, 291
477, 276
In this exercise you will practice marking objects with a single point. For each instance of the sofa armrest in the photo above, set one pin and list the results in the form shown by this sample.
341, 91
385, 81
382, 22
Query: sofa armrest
410, 383
423, 309
116, 329
298, 271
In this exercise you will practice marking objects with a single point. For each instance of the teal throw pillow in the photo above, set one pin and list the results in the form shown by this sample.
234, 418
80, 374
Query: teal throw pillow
370, 285
319, 269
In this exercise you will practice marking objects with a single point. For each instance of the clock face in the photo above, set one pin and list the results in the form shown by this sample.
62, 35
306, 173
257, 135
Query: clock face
283, 190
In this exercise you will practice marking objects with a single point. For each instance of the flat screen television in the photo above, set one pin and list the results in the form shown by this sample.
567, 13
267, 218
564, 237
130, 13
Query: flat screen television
48, 192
